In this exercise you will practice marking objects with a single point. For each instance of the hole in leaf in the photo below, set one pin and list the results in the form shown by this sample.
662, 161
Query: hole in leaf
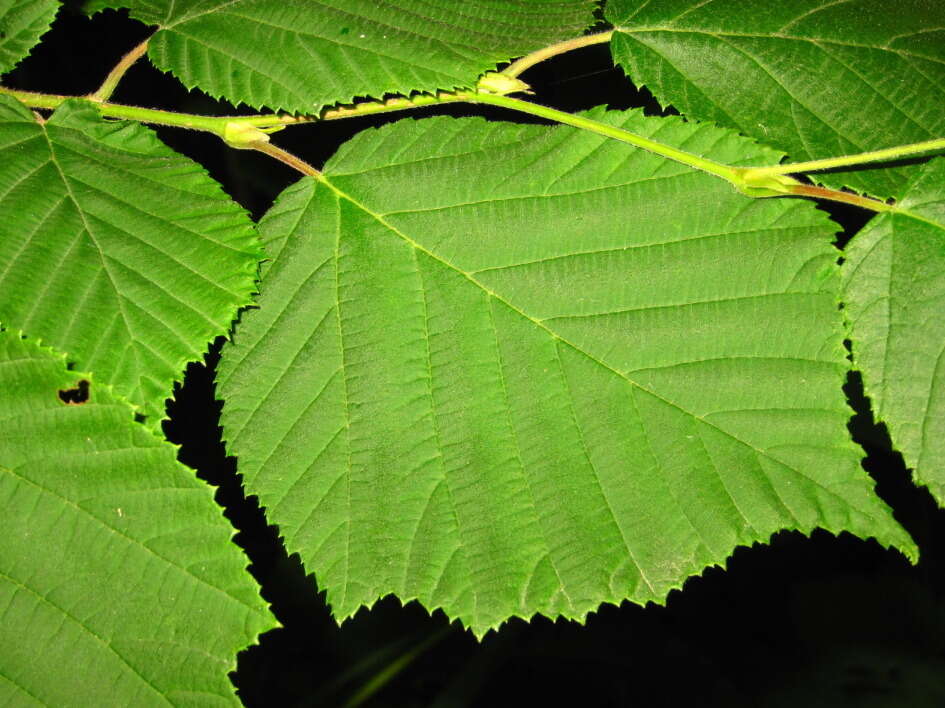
140, 417
77, 395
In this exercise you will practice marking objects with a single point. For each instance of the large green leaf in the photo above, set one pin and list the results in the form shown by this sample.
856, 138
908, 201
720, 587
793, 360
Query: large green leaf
816, 78
115, 249
895, 299
119, 583
508, 370
22, 23
300, 55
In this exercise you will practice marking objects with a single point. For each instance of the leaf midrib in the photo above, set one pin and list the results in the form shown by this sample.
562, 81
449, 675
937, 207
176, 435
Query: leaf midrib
70, 195
323, 179
88, 229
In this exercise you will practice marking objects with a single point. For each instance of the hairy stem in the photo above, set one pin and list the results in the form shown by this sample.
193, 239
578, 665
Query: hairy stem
835, 195
36, 100
886, 154
214, 124
610, 131
529, 60
154, 116
296, 163
249, 132
110, 83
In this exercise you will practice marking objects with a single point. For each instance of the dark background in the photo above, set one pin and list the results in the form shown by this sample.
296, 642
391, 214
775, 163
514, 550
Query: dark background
820, 621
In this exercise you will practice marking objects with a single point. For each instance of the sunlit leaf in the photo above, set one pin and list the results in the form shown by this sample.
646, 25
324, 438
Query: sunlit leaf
510, 370
895, 298
815, 78
115, 249
300, 55
22, 23
119, 583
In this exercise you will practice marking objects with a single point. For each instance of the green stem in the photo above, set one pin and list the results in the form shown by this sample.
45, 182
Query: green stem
154, 116
249, 132
529, 60
215, 124
36, 100
886, 154
730, 174
110, 83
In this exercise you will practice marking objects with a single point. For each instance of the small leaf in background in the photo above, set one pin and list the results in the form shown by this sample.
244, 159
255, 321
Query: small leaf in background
814, 78
119, 581
894, 293
22, 23
116, 249
301, 55
509, 370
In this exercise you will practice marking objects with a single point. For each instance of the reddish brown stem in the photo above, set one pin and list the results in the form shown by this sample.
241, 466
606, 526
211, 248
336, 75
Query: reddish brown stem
835, 195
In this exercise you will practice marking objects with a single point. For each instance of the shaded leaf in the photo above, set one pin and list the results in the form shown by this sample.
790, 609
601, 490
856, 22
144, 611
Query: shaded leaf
22, 23
815, 78
516, 369
119, 581
894, 280
115, 249
300, 55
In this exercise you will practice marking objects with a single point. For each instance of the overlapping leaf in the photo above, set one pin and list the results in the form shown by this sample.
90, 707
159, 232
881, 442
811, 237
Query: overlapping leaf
895, 298
115, 249
300, 55
816, 78
22, 23
508, 370
119, 582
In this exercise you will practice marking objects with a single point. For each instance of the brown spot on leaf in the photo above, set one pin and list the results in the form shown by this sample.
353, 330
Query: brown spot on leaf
77, 395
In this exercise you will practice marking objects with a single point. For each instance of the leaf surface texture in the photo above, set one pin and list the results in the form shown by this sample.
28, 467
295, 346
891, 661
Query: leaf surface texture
815, 78
22, 23
300, 55
117, 570
509, 370
894, 278
115, 249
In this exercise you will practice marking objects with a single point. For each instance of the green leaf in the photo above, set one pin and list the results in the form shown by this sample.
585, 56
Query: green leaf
301, 55
120, 583
894, 281
516, 369
22, 23
115, 249
815, 78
